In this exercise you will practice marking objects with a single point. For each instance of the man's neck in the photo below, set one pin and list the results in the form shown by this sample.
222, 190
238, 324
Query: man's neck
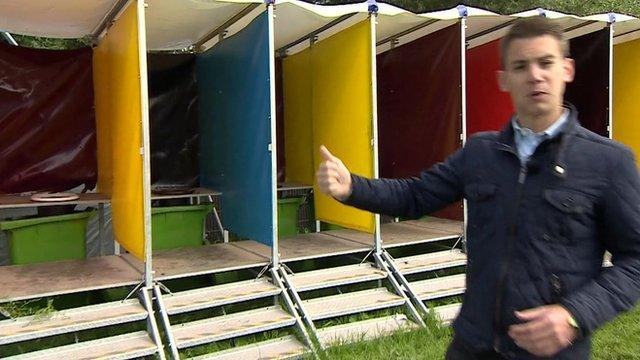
539, 123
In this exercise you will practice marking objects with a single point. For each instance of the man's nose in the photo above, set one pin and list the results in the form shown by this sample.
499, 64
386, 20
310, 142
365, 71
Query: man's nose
534, 73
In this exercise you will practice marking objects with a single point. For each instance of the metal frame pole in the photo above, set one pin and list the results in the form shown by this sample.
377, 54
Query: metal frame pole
164, 317
374, 119
292, 309
152, 327
403, 280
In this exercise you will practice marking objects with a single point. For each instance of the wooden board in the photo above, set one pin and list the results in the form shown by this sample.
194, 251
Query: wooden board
18, 201
198, 192
207, 259
453, 226
62, 277
398, 234
315, 245
353, 235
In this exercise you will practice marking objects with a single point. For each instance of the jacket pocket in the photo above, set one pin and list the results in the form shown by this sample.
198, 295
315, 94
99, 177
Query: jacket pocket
570, 216
481, 207
480, 191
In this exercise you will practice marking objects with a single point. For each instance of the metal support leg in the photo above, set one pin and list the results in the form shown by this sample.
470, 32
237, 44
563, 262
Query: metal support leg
152, 327
292, 310
412, 294
225, 233
164, 317
101, 229
318, 225
412, 310
296, 299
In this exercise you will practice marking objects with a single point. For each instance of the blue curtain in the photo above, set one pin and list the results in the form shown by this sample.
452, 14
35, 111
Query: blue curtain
235, 129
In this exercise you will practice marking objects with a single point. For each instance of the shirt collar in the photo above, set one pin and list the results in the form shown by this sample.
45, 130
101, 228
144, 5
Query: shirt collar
550, 132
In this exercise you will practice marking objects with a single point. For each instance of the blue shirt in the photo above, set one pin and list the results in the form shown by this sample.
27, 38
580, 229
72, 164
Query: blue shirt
527, 141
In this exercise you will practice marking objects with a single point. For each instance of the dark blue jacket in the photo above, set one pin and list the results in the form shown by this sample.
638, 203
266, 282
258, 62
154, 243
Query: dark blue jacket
536, 234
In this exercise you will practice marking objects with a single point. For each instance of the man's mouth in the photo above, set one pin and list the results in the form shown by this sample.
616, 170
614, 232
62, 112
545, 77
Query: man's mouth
536, 95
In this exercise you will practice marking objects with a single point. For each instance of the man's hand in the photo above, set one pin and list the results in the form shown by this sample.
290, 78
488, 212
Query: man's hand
545, 330
334, 179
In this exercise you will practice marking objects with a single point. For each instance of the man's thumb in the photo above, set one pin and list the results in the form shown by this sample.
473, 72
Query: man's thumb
326, 155
530, 314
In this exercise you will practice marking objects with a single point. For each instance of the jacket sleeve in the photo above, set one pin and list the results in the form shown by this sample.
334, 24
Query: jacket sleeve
616, 288
412, 197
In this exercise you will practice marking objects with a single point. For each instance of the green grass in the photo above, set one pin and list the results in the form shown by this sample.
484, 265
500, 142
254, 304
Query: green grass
618, 340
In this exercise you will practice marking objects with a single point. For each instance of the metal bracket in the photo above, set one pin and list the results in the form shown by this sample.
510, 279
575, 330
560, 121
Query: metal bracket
463, 12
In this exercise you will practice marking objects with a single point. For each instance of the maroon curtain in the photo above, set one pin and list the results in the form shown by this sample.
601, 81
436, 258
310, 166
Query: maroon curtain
47, 121
589, 92
419, 105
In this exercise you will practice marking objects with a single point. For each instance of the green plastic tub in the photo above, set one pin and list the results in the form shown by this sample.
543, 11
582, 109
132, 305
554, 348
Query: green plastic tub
44, 239
288, 216
329, 226
178, 226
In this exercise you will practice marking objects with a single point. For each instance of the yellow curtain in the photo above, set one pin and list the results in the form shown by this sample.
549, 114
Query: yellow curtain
298, 134
119, 126
626, 89
342, 114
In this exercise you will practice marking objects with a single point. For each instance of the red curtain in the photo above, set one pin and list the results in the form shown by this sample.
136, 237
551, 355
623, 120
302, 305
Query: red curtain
488, 108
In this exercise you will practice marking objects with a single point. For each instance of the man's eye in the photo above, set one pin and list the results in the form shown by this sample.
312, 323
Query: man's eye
546, 63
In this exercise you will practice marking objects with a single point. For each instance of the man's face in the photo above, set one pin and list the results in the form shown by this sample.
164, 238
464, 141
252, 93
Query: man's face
535, 73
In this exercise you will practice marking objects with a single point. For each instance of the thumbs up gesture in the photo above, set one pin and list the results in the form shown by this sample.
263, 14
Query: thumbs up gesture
334, 179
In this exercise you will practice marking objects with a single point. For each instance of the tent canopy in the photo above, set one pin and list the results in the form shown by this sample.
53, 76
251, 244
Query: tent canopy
54, 19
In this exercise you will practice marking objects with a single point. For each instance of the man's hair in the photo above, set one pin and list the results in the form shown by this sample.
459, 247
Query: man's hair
531, 27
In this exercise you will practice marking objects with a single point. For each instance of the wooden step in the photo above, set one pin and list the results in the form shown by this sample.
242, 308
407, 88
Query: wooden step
439, 287
351, 303
213, 296
447, 313
364, 330
128, 346
230, 326
60, 322
430, 261
343, 275
287, 347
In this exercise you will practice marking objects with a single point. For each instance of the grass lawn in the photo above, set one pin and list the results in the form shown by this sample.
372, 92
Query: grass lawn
619, 340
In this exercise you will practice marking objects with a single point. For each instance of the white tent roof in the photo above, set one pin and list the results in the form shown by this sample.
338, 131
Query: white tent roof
178, 24
56, 19
625, 27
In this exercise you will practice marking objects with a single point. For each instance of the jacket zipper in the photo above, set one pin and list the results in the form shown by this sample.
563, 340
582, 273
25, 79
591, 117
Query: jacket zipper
522, 176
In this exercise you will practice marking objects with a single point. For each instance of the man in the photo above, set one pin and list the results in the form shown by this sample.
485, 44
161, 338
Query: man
545, 197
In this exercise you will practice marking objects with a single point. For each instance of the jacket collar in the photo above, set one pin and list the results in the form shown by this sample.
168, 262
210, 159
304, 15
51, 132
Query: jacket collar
505, 140
506, 135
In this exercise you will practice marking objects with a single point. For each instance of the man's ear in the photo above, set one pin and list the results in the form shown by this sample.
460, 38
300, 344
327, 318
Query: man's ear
569, 69
501, 77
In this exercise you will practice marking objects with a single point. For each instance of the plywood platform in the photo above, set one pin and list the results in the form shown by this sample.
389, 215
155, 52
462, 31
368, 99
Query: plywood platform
207, 259
403, 233
315, 245
438, 224
62, 277
308, 246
